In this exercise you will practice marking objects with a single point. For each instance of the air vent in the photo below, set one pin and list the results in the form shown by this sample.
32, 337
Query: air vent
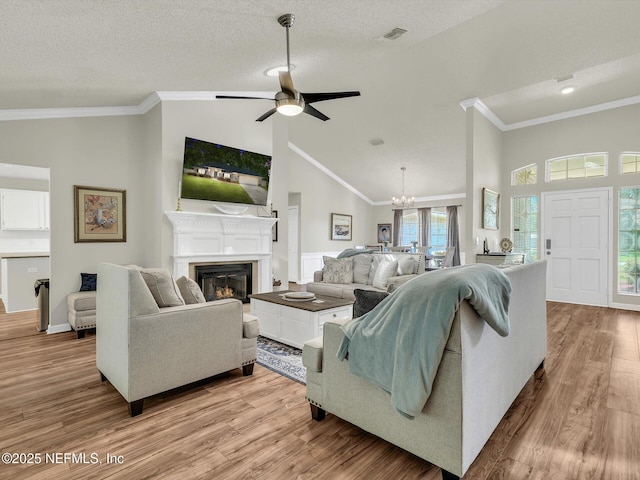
376, 141
394, 34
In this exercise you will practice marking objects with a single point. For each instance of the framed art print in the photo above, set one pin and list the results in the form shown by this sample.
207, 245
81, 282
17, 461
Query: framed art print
340, 226
384, 232
100, 214
490, 209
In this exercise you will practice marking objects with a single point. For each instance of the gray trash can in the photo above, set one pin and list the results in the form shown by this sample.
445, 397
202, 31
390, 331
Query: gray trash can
42, 292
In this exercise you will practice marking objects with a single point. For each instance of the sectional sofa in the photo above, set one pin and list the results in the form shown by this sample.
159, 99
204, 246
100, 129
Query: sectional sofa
480, 375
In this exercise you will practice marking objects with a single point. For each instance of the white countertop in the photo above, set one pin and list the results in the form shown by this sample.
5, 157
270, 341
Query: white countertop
23, 254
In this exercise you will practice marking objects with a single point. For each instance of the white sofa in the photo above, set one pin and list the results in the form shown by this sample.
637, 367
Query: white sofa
363, 279
142, 349
479, 377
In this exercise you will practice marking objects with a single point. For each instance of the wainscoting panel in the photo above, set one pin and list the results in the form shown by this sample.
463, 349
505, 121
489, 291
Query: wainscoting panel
311, 262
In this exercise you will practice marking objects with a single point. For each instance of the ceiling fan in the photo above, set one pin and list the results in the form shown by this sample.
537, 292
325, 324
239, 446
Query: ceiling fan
290, 101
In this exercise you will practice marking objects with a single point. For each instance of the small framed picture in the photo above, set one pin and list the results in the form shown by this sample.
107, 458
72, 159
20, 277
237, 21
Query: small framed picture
490, 209
341, 226
100, 214
384, 232
274, 229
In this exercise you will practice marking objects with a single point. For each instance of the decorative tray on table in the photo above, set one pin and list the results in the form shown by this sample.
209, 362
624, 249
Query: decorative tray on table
299, 296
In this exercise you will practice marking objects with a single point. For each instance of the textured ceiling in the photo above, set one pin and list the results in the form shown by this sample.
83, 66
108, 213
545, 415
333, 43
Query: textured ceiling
89, 53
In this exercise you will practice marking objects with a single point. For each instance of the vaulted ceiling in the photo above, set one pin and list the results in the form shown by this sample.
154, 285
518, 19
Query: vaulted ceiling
509, 54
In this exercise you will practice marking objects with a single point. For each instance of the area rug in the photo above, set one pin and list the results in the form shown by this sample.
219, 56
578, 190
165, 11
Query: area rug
282, 359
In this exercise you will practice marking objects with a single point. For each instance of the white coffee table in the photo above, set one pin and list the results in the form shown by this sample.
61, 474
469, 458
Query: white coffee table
295, 322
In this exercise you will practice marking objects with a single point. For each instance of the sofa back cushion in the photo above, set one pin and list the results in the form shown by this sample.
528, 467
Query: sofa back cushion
162, 286
407, 264
337, 270
361, 267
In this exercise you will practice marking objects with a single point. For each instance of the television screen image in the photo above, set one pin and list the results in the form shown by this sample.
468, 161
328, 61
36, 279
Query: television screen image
221, 173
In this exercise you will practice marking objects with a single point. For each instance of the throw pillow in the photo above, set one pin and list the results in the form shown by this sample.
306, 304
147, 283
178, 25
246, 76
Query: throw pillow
407, 264
375, 263
366, 300
89, 282
162, 287
337, 270
361, 268
190, 290
386, 270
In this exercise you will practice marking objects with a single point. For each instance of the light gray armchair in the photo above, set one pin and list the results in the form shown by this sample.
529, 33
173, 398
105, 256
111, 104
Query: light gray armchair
143, 350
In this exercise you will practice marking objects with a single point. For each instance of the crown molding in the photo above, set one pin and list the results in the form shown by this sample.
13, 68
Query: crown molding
328, 172
78, 112
147, 104
493, 118
601, 107
432, 198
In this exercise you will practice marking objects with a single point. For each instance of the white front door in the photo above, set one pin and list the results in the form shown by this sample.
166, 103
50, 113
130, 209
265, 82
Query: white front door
575, 243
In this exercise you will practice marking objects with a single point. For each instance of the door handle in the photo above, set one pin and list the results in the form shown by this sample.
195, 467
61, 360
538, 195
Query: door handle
548, 243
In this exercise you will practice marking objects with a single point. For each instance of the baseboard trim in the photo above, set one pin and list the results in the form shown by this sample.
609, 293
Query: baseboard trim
65, 327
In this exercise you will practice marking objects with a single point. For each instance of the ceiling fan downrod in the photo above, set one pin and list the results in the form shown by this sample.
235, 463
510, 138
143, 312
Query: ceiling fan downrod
286, 21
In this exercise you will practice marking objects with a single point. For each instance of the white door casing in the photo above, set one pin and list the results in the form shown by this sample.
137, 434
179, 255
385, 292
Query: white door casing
294, 255
576, 236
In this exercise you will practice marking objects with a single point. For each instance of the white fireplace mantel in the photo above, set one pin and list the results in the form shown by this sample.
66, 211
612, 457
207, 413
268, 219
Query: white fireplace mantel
211, 237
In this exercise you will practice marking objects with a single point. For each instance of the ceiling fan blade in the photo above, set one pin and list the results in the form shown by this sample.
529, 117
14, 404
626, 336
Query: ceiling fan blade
315, 113
320, 97
243, 98
286, 83
266, 115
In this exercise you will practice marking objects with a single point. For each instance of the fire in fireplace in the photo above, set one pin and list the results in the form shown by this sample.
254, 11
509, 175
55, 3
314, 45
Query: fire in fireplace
231, 280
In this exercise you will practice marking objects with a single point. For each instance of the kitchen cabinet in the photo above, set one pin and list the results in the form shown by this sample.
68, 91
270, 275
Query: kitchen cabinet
24, 210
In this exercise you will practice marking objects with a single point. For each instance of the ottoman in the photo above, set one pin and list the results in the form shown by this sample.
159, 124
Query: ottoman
81, 311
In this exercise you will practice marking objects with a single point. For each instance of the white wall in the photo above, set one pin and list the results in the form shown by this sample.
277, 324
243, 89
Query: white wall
484, 170
105, 152
613, 131
320, 195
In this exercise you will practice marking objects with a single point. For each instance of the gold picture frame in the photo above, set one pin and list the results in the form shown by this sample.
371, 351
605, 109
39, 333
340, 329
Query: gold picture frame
490, 209
99, 214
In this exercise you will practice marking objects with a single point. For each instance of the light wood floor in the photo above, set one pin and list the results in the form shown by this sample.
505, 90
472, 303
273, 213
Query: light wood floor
579, 420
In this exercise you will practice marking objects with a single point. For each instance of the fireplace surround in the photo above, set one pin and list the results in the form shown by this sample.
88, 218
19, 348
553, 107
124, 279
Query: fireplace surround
210, 238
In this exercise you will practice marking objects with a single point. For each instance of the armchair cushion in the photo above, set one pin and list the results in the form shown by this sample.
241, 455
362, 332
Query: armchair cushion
250, 326
190, 290
162, 286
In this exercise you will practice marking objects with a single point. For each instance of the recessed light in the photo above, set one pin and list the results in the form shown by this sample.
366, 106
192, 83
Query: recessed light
274, 71
567, 89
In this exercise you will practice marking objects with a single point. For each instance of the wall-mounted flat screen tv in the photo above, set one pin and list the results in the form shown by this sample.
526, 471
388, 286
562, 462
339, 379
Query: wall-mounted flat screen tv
224, 174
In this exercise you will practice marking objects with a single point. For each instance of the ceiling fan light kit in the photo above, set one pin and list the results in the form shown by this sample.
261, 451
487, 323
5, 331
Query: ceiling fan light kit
289, 101
289, 106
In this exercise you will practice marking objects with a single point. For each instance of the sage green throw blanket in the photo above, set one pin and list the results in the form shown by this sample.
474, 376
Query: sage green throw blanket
399, 344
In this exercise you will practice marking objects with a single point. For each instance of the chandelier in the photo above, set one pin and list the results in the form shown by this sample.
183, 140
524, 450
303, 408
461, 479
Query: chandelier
403, 201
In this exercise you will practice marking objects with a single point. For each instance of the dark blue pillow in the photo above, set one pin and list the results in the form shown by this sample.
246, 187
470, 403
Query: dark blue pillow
89, 281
